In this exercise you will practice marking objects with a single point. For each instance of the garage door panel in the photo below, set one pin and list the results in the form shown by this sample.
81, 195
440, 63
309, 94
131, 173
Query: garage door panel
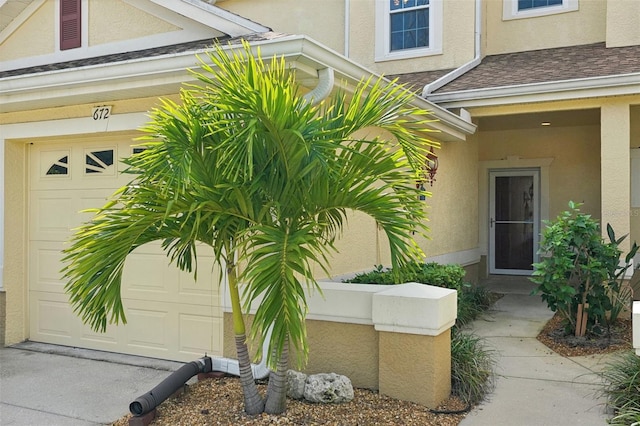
97, 339
205, 289
200, 334
149, 329
46, 226
148, 277
44, 268
52, 319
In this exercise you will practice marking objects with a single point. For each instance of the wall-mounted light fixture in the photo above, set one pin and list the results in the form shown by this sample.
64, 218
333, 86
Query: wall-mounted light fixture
429, 170
431, 167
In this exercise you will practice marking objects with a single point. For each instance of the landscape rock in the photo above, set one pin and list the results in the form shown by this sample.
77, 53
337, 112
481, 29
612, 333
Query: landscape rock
295, 384
328, 388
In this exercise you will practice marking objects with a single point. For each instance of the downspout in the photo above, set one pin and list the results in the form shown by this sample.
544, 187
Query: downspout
150, 400
230, 366
347, 26
450, 76
323, 88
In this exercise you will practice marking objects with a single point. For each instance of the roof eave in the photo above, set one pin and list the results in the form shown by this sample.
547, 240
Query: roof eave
165, 74
591, 87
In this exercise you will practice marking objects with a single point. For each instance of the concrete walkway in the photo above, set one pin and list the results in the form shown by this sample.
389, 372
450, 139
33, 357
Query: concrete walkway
534, 385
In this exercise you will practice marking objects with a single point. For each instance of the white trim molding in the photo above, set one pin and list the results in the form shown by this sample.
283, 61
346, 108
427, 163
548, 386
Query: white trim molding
463, 258
510, 9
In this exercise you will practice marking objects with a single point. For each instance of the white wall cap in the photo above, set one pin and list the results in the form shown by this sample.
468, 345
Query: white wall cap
343, 302
636, 327
415, 308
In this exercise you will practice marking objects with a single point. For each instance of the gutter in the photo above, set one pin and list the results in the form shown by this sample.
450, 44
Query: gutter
450, 76
583, 88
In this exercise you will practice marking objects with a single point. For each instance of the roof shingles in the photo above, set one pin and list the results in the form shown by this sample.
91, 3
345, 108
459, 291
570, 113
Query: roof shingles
540, 66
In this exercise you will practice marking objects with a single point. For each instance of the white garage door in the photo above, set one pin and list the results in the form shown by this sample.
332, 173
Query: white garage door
169, 315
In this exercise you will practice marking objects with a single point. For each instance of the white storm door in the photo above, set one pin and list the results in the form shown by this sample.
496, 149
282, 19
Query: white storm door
514, 220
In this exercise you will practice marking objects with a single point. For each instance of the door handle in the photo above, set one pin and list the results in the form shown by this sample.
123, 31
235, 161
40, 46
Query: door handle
491, 222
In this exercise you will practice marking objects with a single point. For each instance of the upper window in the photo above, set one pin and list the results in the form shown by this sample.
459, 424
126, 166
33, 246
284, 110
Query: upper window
70, 24
516, 9
408, 28
532, 4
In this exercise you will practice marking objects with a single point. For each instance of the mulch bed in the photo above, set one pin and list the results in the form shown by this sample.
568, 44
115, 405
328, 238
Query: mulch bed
554, 337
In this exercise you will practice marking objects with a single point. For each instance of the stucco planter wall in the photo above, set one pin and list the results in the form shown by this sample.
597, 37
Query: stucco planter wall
395, 339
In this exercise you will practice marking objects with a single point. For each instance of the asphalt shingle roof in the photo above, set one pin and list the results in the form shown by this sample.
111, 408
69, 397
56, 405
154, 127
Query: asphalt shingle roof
138, 54
539, 66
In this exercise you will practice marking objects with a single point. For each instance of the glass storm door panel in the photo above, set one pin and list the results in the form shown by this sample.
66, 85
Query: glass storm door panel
514, 221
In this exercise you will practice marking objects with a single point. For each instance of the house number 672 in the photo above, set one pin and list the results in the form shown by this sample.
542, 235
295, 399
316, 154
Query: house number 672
101, 113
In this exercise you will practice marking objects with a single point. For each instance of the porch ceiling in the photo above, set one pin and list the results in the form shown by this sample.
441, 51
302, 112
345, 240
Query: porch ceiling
534, 120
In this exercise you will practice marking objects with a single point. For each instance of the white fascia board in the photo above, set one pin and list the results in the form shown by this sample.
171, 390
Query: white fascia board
217, 18
592, 87
92, 80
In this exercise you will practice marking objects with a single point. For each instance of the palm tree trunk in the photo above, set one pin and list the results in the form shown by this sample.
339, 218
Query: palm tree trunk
253, 402
277, 389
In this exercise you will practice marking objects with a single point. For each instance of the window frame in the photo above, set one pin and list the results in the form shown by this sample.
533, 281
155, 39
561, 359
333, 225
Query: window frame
382, 29
510, 10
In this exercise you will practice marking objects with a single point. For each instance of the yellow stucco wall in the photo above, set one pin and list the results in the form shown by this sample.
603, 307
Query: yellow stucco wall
623, 23
115, 20
109, 21
453, 207
584, 26
416, 368
320, 20
37, 32
81, 110
372, 359
15, 237
575, 170
324, 21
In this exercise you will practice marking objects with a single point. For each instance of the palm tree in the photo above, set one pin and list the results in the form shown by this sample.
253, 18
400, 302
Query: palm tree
247, 166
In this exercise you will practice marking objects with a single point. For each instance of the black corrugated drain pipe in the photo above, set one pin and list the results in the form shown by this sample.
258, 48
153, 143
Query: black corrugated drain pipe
150, 400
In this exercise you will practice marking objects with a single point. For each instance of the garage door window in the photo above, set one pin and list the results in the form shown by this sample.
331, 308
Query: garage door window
60, 167
99, 162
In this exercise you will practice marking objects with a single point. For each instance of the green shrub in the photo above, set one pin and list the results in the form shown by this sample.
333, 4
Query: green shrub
627, 416
448, 276
472, 367
580, 270
621, 377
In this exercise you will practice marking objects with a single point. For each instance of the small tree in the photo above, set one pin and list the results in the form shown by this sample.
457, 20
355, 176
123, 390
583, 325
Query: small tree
580, 275
248, 166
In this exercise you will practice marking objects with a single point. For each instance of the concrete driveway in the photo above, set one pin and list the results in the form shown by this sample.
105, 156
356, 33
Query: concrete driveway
55, 385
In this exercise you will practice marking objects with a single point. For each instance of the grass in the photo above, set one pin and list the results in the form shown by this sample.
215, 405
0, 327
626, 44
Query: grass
621, 378
472, 367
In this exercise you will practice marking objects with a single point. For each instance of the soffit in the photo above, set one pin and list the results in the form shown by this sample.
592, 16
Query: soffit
10, 9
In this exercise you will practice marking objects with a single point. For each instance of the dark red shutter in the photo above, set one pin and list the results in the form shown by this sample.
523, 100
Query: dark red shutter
70, 24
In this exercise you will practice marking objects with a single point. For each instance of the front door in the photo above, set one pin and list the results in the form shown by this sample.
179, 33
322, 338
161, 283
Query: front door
514, 220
